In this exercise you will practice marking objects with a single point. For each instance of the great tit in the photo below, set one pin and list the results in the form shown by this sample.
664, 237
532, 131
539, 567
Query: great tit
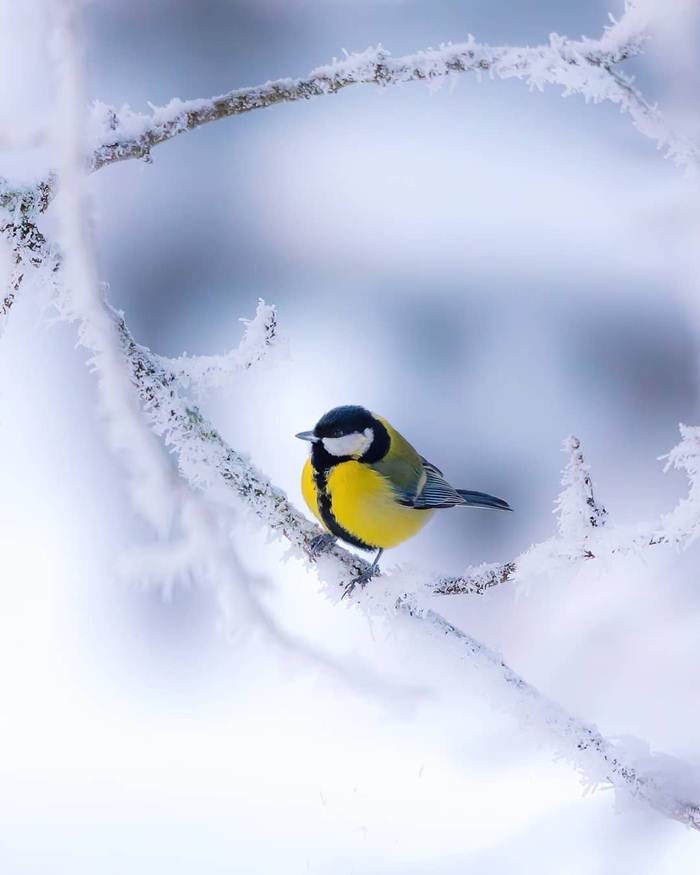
369, 487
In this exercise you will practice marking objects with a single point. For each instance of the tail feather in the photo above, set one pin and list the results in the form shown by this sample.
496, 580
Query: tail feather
481, 499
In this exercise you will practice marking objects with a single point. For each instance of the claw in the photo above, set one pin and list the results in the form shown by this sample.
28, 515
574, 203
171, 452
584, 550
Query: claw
321, 544
362, 580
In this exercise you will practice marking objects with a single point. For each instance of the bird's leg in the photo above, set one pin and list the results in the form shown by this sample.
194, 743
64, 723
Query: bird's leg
374, 567
321, 544
365, 577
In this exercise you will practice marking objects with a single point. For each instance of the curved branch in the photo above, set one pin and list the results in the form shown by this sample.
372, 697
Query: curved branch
579, 67
203, 372
582, 67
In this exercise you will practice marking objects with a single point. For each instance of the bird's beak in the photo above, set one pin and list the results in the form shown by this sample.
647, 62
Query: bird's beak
307, 436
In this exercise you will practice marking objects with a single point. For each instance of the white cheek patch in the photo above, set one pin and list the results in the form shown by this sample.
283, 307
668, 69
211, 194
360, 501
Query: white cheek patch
355, 444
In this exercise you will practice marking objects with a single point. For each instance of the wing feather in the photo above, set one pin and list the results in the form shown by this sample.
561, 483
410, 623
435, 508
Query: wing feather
436, 492
429, 466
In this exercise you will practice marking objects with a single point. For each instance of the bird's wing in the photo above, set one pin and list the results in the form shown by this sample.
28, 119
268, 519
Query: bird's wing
436, 491
416, 482
402, 467
420, 485
405, 476
429, 466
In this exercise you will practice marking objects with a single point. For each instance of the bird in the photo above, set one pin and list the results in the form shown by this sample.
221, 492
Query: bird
367, 485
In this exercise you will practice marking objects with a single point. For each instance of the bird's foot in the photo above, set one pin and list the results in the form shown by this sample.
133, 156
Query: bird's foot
321, 544
362, 579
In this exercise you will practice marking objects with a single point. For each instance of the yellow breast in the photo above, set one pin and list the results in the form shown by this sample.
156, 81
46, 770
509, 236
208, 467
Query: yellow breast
308, 490
363, 504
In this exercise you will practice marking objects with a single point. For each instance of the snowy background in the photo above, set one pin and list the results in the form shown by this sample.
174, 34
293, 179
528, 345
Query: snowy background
488, 268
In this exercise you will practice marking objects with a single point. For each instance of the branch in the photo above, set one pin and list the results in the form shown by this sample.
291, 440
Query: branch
597, 759
213, 371
124, 135
579, 67
583, 534
578, 510
204, 458
682, 525
28, 245
621, 39
152, 485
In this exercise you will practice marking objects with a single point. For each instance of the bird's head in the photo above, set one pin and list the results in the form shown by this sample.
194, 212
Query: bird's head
344, 433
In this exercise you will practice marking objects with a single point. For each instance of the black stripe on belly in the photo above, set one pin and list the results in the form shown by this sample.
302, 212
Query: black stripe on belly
325, 508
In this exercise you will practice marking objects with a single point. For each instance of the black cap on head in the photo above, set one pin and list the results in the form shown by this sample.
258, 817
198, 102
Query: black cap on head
344, 420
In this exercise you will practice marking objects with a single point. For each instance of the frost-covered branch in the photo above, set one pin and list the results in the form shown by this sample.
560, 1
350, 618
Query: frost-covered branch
583, 67
578, 510
682, 525
118, 136
201, 544
204, 458
80, 297
583, 533
598, 760
214, 371
28, 246
622, 38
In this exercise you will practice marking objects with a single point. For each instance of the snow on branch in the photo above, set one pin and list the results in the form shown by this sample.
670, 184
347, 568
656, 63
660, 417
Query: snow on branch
582, 531
583, 67
79, 298
29, 248
651, 778
682, 525
205, 459
578, 510
204, 372
623, 38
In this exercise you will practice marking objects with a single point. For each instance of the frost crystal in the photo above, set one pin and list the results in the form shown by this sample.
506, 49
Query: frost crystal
682, 525
576, 507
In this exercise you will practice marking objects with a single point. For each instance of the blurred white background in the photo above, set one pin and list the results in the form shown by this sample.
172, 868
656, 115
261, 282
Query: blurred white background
491, 270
